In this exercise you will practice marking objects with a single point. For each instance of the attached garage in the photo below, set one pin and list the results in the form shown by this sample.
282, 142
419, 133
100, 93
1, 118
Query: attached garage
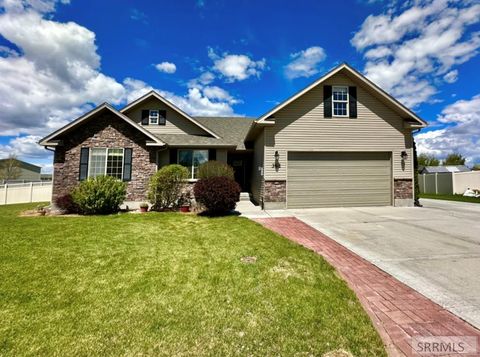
334, 179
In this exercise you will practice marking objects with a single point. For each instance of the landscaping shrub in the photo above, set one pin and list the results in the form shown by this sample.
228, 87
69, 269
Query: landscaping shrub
99, 195
166, 187
215, 169
218, 194
66, 204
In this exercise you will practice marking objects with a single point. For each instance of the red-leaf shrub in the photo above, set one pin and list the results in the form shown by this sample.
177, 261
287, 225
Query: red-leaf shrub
218, 194
66, 204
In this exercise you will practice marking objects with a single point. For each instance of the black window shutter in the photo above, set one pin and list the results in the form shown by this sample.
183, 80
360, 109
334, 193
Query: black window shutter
352, 101
127, 164
327, 101
145, 116
173, 156
212, 154
83, 172
162, 117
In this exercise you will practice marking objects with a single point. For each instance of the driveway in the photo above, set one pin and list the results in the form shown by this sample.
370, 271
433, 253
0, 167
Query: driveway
435, 249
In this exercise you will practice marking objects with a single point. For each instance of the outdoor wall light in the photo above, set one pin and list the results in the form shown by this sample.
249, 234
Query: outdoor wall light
276, 164
404, 155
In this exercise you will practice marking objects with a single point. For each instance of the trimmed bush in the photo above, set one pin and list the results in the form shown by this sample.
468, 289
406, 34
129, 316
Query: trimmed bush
99, 195
66, 204
166, 187
218, 194
215, 169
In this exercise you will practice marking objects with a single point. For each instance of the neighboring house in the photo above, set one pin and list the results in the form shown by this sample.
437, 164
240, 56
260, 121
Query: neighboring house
341, 141
443, 169
26, 173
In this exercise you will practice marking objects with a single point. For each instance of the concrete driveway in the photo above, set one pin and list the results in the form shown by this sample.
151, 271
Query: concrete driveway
435, 249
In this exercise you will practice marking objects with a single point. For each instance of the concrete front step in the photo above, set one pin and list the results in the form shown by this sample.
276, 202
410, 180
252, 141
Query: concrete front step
244, 196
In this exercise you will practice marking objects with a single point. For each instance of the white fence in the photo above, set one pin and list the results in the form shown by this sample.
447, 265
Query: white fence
25, 192
449, 182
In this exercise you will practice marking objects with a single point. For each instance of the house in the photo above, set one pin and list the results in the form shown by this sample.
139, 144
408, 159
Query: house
443, 169
341, 141
20, 171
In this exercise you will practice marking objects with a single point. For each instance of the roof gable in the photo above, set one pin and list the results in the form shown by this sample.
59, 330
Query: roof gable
403, 110
50, 140
153, 94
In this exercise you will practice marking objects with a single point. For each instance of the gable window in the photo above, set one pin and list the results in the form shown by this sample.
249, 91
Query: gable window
340, 101
192, 159
106, 162
153, 117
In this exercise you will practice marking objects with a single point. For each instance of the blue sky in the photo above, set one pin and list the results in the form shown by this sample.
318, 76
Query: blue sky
59, 59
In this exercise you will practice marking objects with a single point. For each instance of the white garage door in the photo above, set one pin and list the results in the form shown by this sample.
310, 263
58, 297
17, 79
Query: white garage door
338, 179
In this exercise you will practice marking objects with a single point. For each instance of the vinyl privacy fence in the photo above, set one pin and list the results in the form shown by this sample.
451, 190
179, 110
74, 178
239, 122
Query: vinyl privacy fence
25, 192
449, 182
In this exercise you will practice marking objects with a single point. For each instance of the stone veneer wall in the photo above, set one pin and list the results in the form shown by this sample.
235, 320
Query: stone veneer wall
403, 189
275, 191
110, 132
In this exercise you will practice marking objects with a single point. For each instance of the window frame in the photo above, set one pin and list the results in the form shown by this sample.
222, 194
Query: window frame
192, 167
106, 162
150, 116
347, 101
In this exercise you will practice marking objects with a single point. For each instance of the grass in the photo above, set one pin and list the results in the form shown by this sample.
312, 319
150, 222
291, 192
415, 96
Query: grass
168, 284
459, 198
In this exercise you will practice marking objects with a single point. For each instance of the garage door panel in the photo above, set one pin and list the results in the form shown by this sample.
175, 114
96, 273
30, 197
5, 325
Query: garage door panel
338, 179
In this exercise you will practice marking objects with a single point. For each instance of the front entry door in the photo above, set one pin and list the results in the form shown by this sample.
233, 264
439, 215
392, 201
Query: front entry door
238, 162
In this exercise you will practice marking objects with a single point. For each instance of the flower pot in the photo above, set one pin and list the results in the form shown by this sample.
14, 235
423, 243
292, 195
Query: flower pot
143, 209
185, 209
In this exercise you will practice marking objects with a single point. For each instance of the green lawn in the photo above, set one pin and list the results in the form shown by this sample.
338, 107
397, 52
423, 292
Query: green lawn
459, 198
168, 284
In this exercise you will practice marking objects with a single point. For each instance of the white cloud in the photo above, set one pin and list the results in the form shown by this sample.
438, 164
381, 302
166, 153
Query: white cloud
166, 67
236, 67
461, 134
23, 147
219, 94
416, 45
54, 77
451, 77
305, 63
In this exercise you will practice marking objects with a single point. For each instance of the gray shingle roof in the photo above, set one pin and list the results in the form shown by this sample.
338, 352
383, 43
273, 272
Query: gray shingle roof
231, 129
232, 132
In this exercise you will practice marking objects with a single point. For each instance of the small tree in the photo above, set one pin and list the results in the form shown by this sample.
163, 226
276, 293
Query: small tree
428, 160
215, 169
476, 167
166, 187
454, 159
10, 168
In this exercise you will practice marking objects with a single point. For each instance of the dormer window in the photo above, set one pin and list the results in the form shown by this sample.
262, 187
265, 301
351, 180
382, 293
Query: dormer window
340, 101
153, 117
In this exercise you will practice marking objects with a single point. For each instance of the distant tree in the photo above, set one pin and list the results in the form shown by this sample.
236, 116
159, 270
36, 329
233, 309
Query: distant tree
476, 167
10, 168
428, 160
454, 159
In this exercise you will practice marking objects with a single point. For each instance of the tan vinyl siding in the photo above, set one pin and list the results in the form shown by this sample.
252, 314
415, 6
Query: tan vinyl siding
176, 123
318, 179
257, 168
301, 126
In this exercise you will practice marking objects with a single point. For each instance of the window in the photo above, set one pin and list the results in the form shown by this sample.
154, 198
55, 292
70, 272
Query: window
340, 101
153, 116
106, 162
191, 159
